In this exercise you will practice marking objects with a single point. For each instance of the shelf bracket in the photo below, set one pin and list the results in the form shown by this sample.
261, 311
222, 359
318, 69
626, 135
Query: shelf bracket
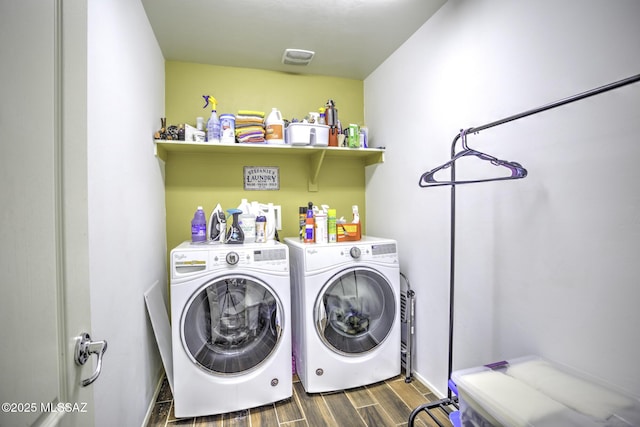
374, 159
315, 161
159, 151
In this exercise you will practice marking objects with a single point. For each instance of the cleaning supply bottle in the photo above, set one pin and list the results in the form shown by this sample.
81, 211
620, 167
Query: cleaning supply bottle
302, 219
217, 225
332, 230
322, 119
213, 125
247, 221
274, 127
199, 226
321, 225
234, 234
309, 225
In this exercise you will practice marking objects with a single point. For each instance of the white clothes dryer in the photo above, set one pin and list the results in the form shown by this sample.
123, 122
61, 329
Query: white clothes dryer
231, 339
346, 312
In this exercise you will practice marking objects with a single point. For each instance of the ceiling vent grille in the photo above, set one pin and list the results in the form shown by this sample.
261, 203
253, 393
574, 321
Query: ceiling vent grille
297, 57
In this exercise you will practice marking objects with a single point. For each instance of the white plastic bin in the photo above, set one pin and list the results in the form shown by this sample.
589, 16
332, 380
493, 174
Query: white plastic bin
307, 134
533, 392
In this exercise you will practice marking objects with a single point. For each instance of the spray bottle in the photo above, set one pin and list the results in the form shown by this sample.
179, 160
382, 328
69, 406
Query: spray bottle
213, 125
234, 234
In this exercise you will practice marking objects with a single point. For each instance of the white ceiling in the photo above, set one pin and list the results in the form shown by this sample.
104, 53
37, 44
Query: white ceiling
350, 37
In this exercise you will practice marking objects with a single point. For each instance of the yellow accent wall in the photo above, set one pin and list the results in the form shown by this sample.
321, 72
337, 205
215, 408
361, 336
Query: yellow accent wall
295, 95
193, 179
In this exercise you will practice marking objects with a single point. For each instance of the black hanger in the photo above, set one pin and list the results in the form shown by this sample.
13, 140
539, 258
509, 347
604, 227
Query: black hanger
517, 171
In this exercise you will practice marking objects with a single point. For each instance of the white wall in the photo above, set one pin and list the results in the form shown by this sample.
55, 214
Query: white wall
546, 265
126, 204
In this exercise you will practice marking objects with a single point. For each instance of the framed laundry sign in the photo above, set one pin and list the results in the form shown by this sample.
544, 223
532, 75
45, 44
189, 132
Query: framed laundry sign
261, 178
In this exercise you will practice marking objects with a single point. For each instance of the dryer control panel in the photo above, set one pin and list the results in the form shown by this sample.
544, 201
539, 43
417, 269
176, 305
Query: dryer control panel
318, 257
384, 249
380, 252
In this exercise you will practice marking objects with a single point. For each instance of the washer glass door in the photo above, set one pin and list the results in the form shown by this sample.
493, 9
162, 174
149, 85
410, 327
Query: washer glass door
355, 311
232, 325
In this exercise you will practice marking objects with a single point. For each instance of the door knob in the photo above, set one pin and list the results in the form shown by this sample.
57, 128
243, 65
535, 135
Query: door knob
84, 349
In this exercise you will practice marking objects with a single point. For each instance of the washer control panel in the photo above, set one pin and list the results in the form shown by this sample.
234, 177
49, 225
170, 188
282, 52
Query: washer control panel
273, 257
197, 260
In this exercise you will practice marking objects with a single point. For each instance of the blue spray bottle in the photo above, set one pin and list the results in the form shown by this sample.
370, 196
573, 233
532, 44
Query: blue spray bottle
235, 233
213, 125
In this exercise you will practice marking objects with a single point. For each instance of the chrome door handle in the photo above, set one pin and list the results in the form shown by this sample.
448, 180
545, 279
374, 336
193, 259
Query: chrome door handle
84, 349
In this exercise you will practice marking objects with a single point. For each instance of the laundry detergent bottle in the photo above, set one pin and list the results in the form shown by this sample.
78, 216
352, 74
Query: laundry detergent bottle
274, 127
199, 226
247, 221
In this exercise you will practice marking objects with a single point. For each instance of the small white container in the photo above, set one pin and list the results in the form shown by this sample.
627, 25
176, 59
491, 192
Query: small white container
307, 134
227, 128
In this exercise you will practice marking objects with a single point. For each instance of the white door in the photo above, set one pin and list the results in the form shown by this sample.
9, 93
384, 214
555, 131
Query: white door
44, 304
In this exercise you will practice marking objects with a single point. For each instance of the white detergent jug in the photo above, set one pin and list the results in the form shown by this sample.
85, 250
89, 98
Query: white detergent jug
274, 127
247, 222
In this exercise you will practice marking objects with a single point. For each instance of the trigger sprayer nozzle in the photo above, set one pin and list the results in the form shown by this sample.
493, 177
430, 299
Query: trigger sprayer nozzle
210, 100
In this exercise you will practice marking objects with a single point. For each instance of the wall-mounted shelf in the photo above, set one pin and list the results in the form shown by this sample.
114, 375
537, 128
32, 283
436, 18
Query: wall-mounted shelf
315, 154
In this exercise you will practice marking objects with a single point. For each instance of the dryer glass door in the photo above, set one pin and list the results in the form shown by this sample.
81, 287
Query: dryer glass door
232, 325
355, 311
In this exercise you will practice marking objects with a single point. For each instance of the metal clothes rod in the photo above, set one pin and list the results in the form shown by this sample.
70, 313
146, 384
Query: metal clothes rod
559, 103
568, 100
452, 400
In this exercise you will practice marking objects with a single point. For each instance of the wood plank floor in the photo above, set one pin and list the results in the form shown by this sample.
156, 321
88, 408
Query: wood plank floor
387, 403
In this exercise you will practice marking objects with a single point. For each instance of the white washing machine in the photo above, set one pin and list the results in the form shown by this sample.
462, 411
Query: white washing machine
231, 339
345, 300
